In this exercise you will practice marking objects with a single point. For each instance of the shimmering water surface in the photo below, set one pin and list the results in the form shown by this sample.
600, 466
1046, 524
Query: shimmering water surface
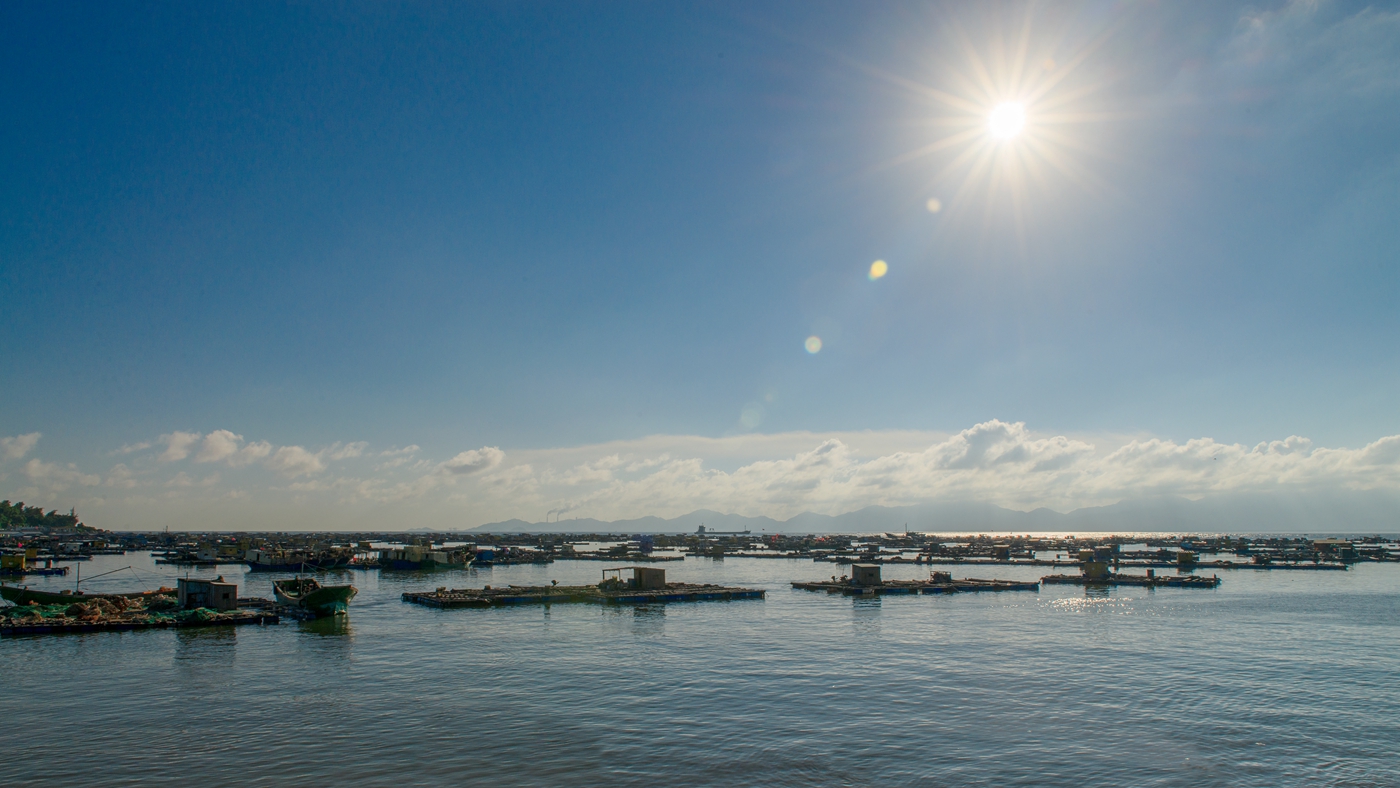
1275, 678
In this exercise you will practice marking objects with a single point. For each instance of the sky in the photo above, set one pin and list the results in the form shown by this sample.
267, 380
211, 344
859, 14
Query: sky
420, 264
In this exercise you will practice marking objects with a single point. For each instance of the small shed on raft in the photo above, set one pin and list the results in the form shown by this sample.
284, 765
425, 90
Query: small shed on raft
213, 594
643, 577
865, 574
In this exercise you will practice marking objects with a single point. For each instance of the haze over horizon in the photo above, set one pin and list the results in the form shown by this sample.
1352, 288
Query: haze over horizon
441, 265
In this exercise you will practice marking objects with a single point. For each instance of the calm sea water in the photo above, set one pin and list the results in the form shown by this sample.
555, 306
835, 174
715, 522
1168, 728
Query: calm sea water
1276, 678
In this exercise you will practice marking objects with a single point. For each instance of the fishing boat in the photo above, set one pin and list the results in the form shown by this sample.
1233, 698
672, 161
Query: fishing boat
311, 596
418, 558
298, 560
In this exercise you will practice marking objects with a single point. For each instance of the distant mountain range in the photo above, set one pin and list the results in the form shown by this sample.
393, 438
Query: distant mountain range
1361, 512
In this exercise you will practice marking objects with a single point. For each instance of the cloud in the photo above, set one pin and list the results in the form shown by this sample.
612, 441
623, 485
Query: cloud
599, 470
474, 461
1313, 50
183, 479
399, 457
132, 448
995, 461
294, 461
55, 477
778, 475
224, 446
218, 445
178, 445
468, 464
15, 448
346, 451
120, 476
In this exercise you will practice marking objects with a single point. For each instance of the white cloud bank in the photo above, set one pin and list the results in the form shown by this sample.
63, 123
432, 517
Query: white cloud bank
1005, 463
229, 448
995, 462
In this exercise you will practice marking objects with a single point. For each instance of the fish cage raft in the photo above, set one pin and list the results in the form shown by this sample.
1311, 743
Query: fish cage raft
865, 580
646, 586
137, 621
1149, 581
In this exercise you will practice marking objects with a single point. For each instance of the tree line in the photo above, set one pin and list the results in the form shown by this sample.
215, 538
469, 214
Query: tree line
17, 515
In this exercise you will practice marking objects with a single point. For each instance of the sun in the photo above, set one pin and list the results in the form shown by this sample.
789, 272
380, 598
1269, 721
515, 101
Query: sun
1012, 112
1007, 120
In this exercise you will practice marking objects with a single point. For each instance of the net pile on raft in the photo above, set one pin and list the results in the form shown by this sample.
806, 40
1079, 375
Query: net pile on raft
149, 610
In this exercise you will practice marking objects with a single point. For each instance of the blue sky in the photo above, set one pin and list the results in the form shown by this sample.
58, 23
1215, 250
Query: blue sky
537, 228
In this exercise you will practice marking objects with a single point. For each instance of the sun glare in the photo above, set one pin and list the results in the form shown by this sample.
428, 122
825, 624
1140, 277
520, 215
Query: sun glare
1007, 120
1009, 107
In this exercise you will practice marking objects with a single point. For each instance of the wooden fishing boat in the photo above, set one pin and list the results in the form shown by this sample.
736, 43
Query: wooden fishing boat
311, 596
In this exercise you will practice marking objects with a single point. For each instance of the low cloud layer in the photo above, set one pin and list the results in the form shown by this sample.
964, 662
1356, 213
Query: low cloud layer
997, 462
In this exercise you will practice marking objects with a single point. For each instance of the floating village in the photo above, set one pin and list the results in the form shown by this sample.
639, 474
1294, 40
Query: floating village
306, 568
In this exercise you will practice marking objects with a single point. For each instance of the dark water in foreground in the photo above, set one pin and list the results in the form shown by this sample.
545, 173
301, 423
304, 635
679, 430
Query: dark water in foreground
1275, 678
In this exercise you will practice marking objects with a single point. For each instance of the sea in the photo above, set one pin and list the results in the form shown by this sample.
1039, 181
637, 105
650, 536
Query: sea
1275, 678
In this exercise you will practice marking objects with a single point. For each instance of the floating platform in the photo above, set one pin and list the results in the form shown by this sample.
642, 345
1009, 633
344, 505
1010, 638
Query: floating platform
639, 558
849, 588
681, 592
59, 626
646, 586
1179, 581
865, 581
540, 561
926, 560
46, 571
547, 595
1233, 565
802, 556
202, 562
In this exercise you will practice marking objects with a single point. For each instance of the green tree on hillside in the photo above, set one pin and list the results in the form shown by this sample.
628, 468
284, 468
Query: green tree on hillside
17, 515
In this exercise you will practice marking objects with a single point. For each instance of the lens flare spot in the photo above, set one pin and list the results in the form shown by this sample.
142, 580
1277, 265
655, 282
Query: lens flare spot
1007, 120
934, 205
877, 269
813, 344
